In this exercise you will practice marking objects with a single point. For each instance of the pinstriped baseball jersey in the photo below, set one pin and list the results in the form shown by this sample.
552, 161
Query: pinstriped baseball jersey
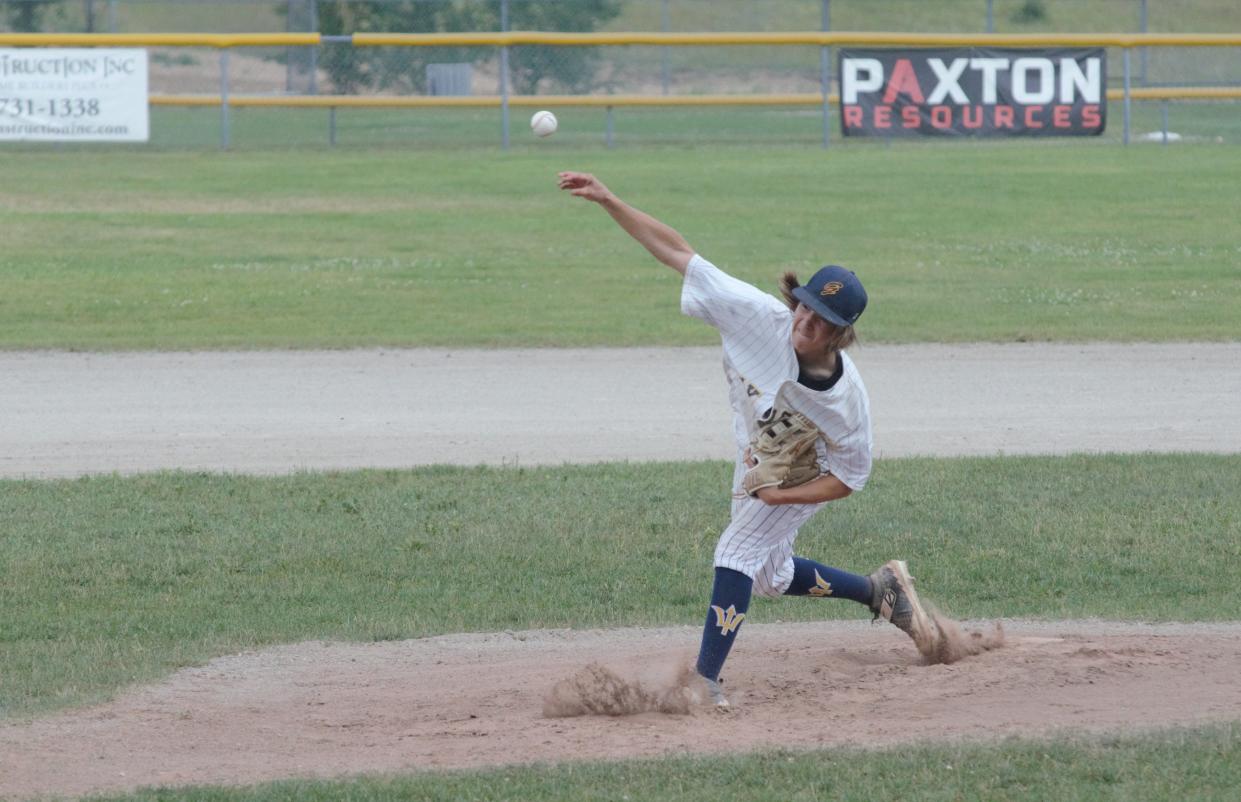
761, 367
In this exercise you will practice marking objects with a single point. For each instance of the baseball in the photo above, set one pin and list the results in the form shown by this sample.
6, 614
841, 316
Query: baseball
543, 123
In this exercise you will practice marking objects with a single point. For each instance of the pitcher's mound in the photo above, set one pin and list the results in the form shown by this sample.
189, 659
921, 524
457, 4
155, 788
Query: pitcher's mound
331, 709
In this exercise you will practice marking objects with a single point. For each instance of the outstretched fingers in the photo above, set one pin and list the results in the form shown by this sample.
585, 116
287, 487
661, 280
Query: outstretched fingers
569, 180
583, 185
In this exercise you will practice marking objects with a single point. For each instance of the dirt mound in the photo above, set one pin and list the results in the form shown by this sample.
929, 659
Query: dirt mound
332, 709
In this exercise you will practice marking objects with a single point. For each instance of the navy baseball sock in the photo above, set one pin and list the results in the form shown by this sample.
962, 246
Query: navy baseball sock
730, 598
815, 579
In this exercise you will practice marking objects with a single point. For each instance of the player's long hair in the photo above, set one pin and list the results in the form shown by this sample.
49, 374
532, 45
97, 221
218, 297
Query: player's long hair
841, 336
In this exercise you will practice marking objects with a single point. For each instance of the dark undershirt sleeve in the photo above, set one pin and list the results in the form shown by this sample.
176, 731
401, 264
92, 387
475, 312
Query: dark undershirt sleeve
815, 383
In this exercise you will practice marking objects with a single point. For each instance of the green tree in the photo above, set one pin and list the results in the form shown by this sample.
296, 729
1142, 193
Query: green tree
390, 68
1031, 11
571, 69
404, 68
25, 16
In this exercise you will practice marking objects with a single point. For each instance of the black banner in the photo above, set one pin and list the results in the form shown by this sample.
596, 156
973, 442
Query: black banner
975, 91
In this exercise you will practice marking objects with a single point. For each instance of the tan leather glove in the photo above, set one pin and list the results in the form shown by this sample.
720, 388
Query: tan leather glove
783, 450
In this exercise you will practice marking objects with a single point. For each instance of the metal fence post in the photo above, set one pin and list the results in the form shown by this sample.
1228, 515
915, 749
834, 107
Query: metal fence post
504, 122
1127, 98
1145, 61
224, 132
289, 58
1163, 118
314, 51
666, 24
990, 16
330, 39
825, 73
609, 131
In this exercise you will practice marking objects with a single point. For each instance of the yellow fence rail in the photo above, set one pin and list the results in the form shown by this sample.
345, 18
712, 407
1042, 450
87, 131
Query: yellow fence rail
824, 39
503, 40
603, 101
217, 40
515, 38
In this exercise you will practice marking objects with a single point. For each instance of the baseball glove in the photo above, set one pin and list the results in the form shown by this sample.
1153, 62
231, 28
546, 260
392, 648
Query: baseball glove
783, 451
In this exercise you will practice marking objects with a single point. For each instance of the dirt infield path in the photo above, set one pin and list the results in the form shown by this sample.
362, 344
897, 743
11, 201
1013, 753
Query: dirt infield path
330, 709
66, 414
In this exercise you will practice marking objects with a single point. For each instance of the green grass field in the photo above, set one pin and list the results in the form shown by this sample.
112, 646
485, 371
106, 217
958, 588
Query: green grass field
112, 580
319, 248
1202, 765
586, 128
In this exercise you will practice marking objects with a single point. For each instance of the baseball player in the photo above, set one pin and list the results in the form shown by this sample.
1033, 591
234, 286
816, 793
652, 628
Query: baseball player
801, 419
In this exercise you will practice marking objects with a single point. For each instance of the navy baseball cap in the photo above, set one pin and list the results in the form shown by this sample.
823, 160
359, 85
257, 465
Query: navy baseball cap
835, 294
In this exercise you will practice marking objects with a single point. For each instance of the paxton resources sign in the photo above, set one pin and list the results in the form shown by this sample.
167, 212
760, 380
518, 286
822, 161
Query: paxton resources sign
973, 92
73, 95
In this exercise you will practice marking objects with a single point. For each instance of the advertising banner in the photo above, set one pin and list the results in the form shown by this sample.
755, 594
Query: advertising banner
976, 91
73, 95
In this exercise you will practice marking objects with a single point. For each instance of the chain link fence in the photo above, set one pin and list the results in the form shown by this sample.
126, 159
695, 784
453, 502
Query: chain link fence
338, 68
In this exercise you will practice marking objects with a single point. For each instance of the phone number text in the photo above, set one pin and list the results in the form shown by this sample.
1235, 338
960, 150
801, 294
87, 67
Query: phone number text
65, 107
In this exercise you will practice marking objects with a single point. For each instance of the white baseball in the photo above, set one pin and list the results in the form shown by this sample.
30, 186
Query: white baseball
543, 123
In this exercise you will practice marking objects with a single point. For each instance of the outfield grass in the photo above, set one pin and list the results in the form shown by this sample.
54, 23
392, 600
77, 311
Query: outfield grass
633, 127
995, 242
1183, 765
107, 581
966, 16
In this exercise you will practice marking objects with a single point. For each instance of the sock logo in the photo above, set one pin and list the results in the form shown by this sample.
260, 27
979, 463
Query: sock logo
821, 586
727, 620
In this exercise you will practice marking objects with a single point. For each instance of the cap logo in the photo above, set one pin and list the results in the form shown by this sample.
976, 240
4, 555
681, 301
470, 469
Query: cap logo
831, 288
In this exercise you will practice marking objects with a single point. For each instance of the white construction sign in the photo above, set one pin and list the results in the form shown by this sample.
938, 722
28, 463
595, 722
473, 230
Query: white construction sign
73, 95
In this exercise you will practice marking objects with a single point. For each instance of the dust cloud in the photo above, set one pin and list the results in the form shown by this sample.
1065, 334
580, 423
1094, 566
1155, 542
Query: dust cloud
954, 643
598, 690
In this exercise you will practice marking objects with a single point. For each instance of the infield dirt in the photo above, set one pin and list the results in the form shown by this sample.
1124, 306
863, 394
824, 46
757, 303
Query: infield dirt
277, 412
333, 709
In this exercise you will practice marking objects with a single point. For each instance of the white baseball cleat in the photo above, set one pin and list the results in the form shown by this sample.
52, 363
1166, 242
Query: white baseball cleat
715, 692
